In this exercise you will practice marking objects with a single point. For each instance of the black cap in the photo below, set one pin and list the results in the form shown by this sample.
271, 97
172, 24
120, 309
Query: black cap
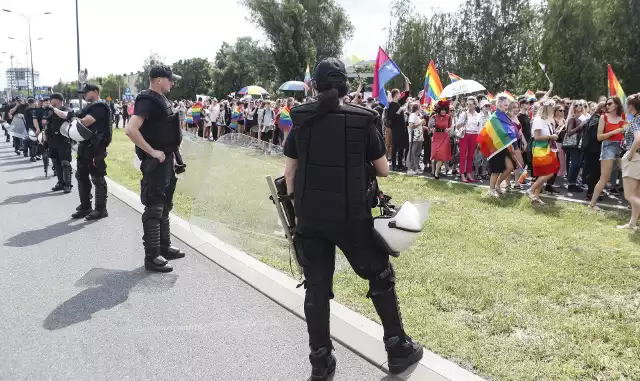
57, 96
46, 98
89, 87
330, 70
523, 99
30, 100
163, 71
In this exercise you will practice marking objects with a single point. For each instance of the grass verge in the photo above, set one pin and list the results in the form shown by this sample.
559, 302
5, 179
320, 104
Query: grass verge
507, 290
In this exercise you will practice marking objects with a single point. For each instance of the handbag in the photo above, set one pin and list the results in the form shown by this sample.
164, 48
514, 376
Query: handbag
570, 141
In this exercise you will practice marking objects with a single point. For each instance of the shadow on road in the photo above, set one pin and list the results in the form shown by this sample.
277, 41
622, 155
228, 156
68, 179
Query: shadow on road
34, 237
34, 165
107, 289
15, 162
25, 198
29, 179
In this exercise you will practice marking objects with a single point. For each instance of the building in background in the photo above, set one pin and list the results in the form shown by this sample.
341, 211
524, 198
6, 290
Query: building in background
19, 78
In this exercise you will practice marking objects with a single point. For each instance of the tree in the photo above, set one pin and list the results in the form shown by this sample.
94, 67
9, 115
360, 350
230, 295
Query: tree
142, 82
112, 86
196, 76
69, 90
300, 31
242, 64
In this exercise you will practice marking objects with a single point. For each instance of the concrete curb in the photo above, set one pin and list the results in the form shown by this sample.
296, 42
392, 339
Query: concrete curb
363, 336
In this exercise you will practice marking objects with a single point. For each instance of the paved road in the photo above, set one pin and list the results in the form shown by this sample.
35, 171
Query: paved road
77, 305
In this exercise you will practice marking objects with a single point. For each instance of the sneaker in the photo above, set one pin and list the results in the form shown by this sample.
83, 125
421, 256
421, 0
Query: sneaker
33, 159
411, 173
493, 193
574, 188
323, 364
402, 353
628, 227
549, 189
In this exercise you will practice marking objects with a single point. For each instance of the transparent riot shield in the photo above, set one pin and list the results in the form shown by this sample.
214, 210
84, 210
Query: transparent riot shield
232, 197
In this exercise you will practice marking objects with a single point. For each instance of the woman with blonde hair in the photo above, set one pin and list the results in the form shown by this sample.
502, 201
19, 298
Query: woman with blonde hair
631, 162
545, 161
610, 133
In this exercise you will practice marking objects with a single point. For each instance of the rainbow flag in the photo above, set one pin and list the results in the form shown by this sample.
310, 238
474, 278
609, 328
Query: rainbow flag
285, 117
188, 118
432, 85
544, 161
523, 175
615, 90
196, 110
307, 75
507, 94
497, 134
454, 77
490, 97
235, 116
531, 96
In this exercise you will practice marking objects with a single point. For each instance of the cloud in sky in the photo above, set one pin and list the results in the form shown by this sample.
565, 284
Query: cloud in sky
117, 35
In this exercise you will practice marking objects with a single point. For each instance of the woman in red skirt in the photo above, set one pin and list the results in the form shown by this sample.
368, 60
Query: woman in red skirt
440, 125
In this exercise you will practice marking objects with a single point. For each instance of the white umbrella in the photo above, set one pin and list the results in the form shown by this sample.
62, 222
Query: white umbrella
464, 86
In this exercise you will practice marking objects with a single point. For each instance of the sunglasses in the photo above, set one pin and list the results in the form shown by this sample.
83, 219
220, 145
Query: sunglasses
576, 106
487, 106
609, 104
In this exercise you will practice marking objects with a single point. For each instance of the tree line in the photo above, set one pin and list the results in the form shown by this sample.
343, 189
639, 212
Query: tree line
495, 42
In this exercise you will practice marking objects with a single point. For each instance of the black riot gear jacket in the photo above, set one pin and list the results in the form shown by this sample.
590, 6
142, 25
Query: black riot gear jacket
331, 179
162, 134
101, 128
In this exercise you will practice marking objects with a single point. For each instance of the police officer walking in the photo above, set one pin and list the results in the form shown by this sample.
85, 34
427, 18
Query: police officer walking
59, 146
29, 145
329, 151
91, 154
155, 130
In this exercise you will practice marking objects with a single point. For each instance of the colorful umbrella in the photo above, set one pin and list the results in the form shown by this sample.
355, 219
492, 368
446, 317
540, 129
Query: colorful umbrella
294, 86
252, 90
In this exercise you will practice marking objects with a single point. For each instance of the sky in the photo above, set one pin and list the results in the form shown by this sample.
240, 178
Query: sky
117, 35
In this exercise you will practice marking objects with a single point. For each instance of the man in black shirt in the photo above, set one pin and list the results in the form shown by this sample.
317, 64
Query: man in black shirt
332, 152
155, 130
399, 132
96, 116
30, 146
59, 146
525, 123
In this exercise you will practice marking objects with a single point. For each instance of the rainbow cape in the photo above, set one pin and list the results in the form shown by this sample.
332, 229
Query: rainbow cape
544, 160
497, 134
432, 85
196, 111
454, 77
188, 118
235, 116
285, 117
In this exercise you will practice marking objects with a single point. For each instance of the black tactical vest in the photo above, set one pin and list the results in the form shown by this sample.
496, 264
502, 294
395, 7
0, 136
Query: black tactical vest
162, 134
100, 128
331, 179
54, 122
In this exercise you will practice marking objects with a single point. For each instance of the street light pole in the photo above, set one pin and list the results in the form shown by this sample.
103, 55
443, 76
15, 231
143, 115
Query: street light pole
28, 18
78, 48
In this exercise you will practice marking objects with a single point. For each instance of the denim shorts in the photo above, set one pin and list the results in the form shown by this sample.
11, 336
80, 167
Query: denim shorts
610, 150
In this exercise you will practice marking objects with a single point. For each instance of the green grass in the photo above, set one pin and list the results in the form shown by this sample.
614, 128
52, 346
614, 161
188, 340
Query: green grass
505, 289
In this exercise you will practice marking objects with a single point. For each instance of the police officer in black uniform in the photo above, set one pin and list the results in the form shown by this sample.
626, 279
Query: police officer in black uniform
155, 130
331, 151
29, 146
91, 154
59, 146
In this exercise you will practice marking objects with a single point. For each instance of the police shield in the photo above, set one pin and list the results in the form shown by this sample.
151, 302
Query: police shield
75, 131
18, 128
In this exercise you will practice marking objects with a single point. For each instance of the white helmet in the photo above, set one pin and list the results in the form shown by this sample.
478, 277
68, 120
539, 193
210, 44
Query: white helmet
75, 131
32, 136
398, 232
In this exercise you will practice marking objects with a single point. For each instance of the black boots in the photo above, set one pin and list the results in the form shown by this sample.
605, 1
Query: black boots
57, 187
166, 250
402, 352
153, 261
100, 210
84, 191
323, 364
66, 177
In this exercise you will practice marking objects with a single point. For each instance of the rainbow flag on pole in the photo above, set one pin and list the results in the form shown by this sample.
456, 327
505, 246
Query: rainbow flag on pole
490, 97
497, 134
509, 96
307, 75
285, 117
531, 96
454, 77
615, 89
432, 85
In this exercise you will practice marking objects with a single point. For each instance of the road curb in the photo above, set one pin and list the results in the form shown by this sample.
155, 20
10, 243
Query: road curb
356, 332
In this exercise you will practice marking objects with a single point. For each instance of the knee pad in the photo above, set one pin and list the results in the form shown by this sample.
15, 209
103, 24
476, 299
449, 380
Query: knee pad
154, 212
382, 282
65, 163
98, 181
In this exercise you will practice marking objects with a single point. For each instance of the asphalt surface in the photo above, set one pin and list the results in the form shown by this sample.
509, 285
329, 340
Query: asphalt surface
76, 303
